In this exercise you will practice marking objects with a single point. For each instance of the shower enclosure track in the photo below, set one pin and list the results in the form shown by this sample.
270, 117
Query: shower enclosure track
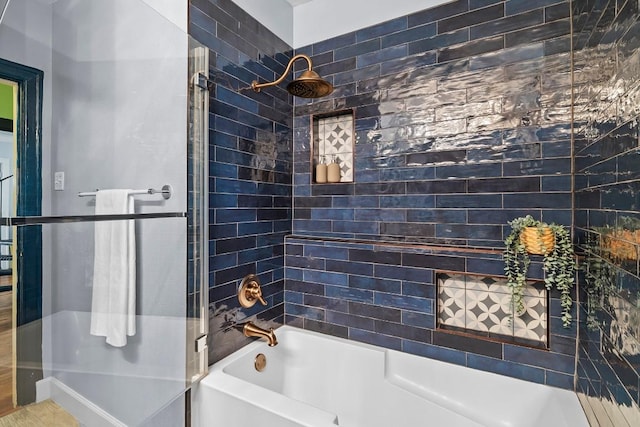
37, 220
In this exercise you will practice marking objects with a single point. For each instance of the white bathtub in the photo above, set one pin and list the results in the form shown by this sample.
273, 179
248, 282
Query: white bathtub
317, 380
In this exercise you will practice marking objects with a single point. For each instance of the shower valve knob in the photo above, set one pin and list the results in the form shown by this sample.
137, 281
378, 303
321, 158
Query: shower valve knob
250, 291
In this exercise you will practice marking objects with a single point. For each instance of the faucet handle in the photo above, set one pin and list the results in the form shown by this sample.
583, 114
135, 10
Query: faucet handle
256, 292
250, 291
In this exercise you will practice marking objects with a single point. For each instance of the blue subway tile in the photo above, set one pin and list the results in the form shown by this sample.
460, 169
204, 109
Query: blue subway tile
543, 359
440, 41
371, 283
375, 339
381, 55
350, 320
356, 201
333, 214
220, 262
410, 35
435, 352
409, 201
402, 273
349, 294
416, 289
235, 215
511, 369
221, 231
371, 45
507, 56
234, 98
326, 252
349, 267
420, 320
380, 215
304, 311
247, 228
326, 278
322, 301
223, 200
469, 201
223, 170
559, 380
404, 302
517, 6
382, 29
334, 43
293, 297
365, 227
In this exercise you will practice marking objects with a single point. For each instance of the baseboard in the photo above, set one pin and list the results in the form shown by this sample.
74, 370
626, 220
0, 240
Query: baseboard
87, 413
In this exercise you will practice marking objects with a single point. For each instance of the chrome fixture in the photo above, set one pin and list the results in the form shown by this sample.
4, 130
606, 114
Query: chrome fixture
250, 291
166, 192
251, 330
308, 85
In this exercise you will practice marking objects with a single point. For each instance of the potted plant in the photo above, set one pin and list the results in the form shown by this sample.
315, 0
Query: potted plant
553, 243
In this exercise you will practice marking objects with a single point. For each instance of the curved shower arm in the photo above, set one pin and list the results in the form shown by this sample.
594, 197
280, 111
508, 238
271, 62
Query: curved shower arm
257, 86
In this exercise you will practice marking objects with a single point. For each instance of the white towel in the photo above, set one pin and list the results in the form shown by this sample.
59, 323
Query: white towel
113, 307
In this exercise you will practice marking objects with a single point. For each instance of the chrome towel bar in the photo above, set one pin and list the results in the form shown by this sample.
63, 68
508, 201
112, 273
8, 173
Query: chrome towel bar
166, 192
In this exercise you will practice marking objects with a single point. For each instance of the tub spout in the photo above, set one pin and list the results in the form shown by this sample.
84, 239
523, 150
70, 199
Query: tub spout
251, 330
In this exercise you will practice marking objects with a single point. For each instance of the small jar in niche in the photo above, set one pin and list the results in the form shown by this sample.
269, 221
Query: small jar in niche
321, 171
333, 170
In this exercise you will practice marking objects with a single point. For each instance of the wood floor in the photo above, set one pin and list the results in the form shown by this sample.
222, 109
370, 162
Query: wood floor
45, 413
6, 356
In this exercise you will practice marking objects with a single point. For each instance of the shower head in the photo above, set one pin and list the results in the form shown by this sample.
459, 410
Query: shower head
308, 85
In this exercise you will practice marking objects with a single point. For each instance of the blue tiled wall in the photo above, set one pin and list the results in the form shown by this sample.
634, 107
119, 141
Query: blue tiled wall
463, 121
250, 136
607, 105
385, 295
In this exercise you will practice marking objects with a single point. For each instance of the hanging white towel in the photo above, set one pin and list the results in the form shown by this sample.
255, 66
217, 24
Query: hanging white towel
113, 306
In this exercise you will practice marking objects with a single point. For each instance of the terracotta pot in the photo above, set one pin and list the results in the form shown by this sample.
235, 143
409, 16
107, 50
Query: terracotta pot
538, 243
621, 244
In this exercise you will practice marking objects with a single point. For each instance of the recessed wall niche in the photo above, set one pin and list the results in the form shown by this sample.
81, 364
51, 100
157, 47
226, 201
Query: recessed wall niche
333, 146
481, 305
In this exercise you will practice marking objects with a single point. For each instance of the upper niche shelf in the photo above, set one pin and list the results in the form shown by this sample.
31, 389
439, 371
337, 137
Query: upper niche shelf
333, 141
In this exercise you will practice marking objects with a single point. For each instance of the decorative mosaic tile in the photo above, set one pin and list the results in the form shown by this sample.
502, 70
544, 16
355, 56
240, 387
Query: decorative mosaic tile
483, 304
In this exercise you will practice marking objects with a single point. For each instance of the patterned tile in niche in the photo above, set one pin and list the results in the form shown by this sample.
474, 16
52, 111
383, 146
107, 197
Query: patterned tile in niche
451, 307
532, 323
345, 161
484, 304
486, 310
451, 281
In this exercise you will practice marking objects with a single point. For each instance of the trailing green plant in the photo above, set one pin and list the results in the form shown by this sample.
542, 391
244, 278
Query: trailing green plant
600, 280
558, 263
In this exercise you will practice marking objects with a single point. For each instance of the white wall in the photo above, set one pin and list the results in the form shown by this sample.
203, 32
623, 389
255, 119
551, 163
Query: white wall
312, 21
323, 19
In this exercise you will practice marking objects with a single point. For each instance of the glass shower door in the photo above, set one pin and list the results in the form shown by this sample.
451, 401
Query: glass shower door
119, 109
